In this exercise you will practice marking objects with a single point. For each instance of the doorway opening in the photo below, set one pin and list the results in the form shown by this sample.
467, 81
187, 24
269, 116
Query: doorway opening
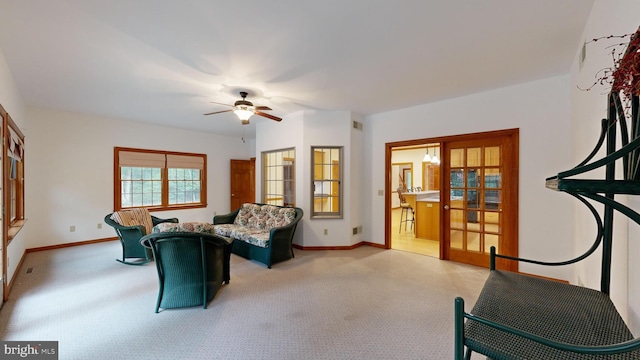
465, 202
415, 193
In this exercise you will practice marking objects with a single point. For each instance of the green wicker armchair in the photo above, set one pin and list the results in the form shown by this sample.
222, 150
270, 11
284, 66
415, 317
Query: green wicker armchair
130, 239
191, 267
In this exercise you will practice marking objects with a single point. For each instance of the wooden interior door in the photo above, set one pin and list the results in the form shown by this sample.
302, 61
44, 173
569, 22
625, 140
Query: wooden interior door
243, 183
430, 177
480, 199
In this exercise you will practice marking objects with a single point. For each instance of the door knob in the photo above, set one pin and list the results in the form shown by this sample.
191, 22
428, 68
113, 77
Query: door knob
233, 194
446, 207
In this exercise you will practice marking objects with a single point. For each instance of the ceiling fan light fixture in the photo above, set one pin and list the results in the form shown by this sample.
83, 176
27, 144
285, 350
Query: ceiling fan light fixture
243, 113
245, 109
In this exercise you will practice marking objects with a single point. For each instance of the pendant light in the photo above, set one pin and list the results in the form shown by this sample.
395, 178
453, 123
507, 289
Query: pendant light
435, 160
427, 157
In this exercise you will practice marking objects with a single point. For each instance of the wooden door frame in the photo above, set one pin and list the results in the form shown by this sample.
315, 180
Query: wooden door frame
514, 133
403, 179
3, 199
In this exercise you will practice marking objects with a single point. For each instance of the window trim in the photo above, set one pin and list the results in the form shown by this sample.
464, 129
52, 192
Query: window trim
13, 226
117, 181
340, 181
285, 154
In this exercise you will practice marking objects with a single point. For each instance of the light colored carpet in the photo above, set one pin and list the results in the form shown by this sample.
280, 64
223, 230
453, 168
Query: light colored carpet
365, 303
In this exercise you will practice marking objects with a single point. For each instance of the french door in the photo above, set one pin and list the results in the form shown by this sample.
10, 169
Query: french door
479, 198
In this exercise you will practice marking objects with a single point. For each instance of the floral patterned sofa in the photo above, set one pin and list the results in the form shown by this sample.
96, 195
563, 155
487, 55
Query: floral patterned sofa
261, 232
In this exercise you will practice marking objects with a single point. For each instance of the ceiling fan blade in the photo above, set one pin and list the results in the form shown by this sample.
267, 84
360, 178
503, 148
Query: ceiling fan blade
268, 116
217, 112
262, 108
213, 102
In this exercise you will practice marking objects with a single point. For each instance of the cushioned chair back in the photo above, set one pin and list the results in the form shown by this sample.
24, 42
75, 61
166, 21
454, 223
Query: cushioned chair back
133, 217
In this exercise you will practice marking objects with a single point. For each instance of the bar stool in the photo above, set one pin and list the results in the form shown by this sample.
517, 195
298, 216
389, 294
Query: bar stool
406, 210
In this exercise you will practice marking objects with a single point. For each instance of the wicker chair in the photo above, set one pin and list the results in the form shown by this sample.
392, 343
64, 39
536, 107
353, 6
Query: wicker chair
191, 267
130, 239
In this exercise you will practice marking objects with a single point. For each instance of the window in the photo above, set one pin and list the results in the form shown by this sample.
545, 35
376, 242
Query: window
279, 177
159, 180
14, 175
327, 182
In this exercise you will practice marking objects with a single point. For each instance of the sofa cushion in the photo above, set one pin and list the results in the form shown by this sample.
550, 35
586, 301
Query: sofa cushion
260, 239
246, 212
226, 229
284, 216
199, 227
134, 217
258, 217
252, 236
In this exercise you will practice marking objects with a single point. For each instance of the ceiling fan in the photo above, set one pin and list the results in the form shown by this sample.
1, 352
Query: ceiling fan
245, 109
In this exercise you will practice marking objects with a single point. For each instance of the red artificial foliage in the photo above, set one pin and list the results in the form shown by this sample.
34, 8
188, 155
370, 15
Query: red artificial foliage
626, 77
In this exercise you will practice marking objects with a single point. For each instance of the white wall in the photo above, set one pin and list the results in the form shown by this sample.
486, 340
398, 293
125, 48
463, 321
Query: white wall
69, 172
272, 135
318, 128
11, 100
329, 128
540, 110
608, 17
356, 180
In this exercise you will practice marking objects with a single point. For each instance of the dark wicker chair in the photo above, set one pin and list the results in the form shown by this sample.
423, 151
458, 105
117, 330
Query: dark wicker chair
130, 239
191, 267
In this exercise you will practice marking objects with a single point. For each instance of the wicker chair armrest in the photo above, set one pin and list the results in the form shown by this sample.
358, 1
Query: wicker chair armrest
157, 220
285, 233
226, 218
282, 232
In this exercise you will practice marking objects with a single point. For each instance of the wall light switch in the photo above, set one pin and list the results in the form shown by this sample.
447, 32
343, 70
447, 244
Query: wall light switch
380, 192
72, 228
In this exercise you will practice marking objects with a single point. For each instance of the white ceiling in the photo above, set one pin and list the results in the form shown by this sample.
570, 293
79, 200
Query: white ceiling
163, 62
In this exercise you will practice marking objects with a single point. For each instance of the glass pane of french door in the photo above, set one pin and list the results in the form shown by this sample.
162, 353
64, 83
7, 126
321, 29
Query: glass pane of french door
475, 200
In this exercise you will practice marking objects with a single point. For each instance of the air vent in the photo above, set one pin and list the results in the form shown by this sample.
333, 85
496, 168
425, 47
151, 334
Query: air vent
357, 125
357, 230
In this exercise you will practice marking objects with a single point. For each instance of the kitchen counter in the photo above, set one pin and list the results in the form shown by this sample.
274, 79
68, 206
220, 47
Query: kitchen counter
427, 213
413, 197
433, 199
